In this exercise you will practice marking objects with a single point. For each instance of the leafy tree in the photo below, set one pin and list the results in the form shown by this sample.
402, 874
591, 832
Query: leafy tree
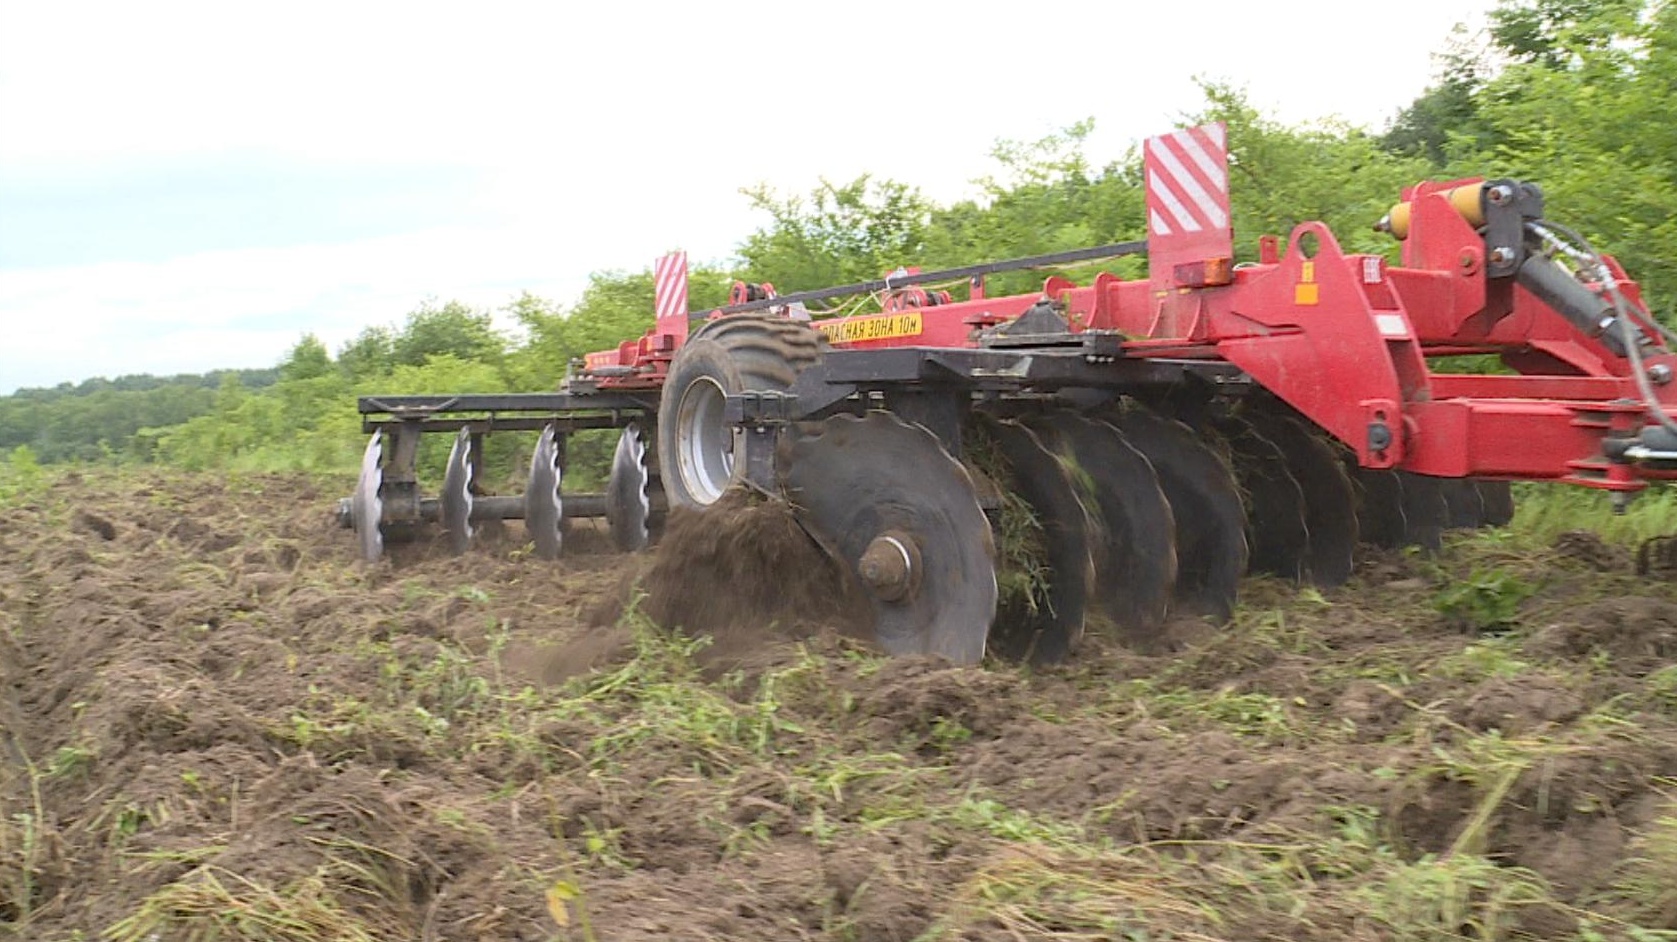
1554, 34
1447, 110
453, 329
1585, 110
307, 360
1046, 198
846, 233
371, 353
98, 418
1280, 176
615, 307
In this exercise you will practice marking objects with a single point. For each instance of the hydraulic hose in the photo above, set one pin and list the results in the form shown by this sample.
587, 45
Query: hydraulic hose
1622, 322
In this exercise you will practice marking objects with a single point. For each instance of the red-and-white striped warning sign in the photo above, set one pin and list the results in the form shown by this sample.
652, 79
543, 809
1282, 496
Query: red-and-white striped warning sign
1187, 181
669, 284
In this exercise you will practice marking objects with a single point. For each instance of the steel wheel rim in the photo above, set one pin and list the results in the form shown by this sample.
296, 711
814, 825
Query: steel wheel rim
705, 442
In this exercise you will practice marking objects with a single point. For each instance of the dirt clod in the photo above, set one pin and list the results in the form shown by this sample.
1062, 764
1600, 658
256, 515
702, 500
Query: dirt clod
1518, 707
1640, 634
94, 524
1589, 549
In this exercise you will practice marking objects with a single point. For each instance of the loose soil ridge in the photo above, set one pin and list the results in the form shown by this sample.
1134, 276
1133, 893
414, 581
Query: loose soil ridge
215, 725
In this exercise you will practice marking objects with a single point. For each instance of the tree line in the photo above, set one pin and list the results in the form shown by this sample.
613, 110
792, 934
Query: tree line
1575, 95
100, 419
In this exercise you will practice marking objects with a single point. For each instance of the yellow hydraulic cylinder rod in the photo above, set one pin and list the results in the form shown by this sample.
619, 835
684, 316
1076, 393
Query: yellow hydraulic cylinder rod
1468, 200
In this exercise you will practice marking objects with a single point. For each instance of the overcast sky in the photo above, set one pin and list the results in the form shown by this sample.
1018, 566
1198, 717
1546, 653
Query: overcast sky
186, 186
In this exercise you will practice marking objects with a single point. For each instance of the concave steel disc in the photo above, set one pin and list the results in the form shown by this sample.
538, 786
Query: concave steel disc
1330, 513
1135, 536
1211, 546
1425, 511
543, 511
457, 495
628, 506
1462, 505
1276, 528
1043, 623
1497, 499
366, 508
1379, 507
884, 498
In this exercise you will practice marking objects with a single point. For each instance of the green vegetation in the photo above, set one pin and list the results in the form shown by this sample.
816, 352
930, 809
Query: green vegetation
1575, 96
100, 419
1484, 601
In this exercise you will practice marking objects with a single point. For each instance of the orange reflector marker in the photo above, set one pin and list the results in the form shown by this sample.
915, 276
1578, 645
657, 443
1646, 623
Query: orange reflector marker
1205, 273
1307, 291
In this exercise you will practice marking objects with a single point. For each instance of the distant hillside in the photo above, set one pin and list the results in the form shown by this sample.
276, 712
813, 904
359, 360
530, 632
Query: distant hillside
98, 417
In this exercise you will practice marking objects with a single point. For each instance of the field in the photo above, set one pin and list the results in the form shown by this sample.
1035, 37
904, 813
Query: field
217, 726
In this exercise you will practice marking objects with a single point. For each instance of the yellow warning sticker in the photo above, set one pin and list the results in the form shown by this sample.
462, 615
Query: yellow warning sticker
1306, 291
883, 327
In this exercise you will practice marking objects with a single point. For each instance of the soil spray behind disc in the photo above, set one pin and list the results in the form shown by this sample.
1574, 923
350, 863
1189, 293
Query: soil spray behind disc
745, 567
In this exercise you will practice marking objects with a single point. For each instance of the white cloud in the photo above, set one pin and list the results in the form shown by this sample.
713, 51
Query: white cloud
247, 307
609, 132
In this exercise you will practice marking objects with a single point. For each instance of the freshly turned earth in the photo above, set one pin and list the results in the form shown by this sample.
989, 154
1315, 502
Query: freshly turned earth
215, 721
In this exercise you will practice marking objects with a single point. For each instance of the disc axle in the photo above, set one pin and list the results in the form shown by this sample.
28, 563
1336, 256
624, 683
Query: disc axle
501, 508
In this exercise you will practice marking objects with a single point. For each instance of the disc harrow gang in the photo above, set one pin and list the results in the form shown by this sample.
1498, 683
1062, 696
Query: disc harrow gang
1044, 516
1209, 518
1277, 530
1329, 501
1133, 532
1041, 614
1005, 543
1004, 474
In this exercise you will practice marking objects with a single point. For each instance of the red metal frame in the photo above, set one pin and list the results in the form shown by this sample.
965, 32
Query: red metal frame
1342, 338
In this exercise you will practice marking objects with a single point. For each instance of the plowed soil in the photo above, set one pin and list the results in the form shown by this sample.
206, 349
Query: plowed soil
217, 725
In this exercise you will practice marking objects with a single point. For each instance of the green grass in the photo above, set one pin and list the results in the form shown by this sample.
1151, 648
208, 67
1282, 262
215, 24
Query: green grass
1544, 511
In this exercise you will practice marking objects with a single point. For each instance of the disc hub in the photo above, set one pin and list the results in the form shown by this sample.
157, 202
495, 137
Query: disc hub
890, 566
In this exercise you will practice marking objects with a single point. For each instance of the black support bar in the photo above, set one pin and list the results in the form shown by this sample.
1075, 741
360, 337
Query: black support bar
501, 423
1007, 369
1114, 250
420, 407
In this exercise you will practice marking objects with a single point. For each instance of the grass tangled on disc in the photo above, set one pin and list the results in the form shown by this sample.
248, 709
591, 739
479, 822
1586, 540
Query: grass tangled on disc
1022, 571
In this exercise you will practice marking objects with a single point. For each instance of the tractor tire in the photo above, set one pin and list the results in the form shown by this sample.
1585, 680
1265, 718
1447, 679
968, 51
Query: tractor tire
733, 354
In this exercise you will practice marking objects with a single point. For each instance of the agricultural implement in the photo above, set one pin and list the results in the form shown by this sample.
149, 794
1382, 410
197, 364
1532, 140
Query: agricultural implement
996, 472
